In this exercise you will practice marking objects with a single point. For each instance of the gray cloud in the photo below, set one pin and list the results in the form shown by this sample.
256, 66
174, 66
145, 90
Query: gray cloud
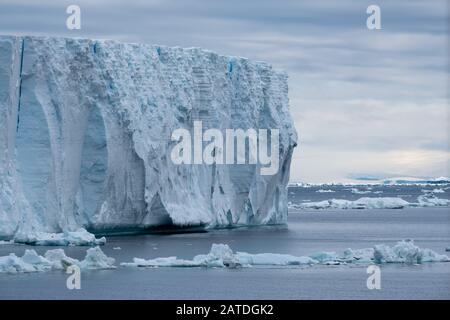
366, 99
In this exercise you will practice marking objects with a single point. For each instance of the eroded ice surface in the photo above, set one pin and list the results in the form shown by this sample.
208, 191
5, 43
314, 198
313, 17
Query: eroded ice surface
85, 138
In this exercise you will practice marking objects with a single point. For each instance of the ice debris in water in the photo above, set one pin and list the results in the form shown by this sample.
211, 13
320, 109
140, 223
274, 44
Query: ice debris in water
96, 259
80, 237
53, 260
222, 256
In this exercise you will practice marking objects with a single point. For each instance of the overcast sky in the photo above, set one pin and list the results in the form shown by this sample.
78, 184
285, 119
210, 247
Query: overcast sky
364, 102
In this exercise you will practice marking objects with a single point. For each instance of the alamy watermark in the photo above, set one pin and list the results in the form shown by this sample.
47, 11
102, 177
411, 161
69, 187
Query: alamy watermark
74, 280
374, 280
239, 146
373, 22
73, 21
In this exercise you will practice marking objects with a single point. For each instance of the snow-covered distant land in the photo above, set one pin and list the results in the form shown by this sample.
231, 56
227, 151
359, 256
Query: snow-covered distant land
373, 180
372, 203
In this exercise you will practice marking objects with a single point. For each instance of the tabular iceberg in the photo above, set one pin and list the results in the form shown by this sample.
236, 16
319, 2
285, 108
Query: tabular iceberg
85, 129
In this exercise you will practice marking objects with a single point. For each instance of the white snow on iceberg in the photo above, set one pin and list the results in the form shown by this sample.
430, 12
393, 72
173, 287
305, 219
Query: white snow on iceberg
53, 260
221, 256
96, 116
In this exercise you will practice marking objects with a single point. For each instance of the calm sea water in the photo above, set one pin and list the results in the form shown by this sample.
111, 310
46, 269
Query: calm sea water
306, 233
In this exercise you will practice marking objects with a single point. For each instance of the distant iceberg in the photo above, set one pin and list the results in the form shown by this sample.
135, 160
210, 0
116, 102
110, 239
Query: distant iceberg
325, 191
362, 203
373, 203
430, 200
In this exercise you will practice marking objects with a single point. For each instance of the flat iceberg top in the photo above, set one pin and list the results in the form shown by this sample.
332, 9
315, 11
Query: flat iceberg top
110, 42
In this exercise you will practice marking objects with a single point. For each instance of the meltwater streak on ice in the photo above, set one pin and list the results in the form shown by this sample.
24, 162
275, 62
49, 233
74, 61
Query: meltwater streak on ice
93, 141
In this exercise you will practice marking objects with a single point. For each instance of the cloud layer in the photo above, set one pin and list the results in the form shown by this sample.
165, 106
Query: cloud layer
363, 101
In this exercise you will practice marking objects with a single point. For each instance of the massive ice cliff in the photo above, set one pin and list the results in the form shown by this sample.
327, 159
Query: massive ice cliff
85, 136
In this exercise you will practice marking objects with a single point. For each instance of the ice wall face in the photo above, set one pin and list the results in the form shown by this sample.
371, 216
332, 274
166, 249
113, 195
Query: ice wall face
86, 136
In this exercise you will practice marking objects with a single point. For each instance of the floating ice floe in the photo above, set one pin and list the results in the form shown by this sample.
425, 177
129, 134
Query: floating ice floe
325, 191
222, 256
406, 252
362, 203
427, 200
80, 237
53, 260
433, 191
357, 191
96, 259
